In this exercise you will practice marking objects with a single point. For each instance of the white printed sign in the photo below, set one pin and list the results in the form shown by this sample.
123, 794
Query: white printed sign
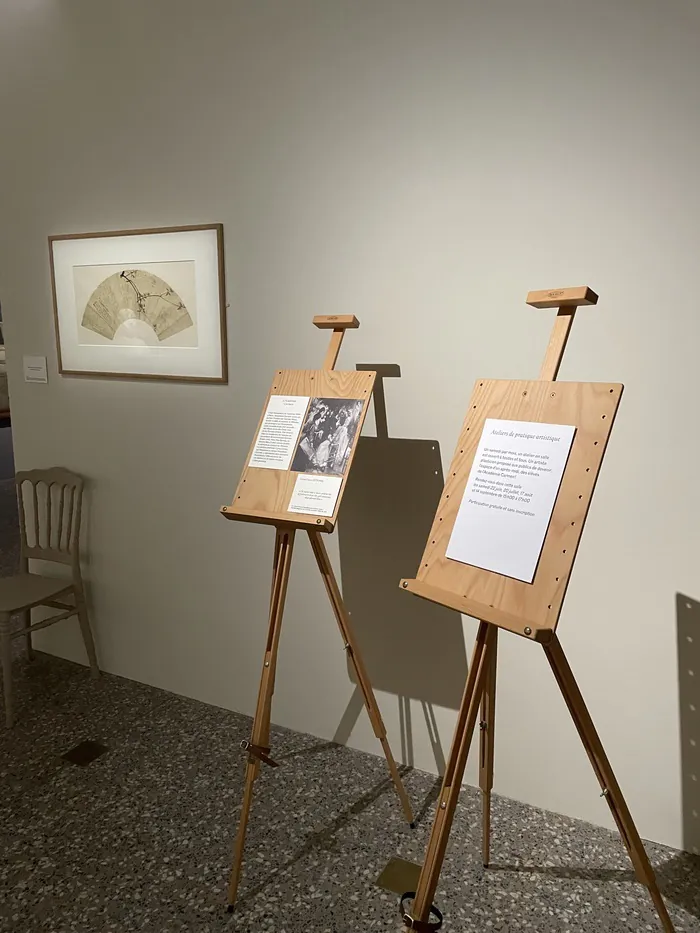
279, 432
315, 494
35, 369
510, 495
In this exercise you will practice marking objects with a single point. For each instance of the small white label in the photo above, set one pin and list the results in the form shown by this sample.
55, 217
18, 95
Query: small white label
315, 495
35, 369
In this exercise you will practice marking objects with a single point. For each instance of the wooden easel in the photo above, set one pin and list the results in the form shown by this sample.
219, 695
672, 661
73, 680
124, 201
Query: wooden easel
262, 496
530, 610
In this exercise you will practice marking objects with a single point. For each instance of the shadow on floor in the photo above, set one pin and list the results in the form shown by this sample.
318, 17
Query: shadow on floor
678, 878
323, 838
428, 802
569, 872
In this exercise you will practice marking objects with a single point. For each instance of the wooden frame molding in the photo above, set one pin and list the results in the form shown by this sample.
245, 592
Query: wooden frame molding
154, 377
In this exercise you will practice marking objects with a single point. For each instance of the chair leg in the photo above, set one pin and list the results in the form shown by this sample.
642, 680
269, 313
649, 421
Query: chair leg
86, 631
26, 618
6, 652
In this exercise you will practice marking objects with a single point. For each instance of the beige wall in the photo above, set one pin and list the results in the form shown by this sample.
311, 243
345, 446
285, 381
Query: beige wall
422, 165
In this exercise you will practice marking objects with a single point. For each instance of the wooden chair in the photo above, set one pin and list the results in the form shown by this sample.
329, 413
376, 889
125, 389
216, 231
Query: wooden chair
50, 503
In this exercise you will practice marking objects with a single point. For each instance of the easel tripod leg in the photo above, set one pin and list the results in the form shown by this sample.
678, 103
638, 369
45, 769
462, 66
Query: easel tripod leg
251, 773
284, 544
486, 748
452, 782
343, 620
606, 777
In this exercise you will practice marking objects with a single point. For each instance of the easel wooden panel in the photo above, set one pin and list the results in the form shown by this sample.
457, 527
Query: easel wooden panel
263, 495
506, 602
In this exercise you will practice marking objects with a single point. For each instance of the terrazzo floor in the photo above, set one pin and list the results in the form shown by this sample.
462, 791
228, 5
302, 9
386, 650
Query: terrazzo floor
140, 839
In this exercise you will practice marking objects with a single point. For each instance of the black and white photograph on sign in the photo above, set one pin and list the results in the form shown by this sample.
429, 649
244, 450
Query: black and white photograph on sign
328, 435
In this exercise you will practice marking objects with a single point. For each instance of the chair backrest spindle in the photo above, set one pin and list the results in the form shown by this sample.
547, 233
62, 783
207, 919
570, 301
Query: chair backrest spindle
69, 530
55, 499
35, 510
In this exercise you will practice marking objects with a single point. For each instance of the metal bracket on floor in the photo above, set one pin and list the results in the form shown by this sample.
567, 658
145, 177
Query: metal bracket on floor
261, 752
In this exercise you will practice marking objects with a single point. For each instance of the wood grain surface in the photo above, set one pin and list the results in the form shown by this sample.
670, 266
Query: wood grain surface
263, 495
530, 609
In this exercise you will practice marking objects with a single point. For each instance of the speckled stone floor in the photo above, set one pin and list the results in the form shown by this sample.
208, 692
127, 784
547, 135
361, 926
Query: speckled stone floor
140, 839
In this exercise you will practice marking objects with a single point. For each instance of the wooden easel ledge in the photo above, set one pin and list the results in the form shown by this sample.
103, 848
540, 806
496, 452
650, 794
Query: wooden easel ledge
507, 620
261, 517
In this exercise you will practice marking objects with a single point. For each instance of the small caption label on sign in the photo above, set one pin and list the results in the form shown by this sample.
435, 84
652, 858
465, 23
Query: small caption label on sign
35, 369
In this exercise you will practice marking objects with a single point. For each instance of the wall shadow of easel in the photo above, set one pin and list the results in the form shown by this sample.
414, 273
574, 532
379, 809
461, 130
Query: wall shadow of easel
681, 875
389, 504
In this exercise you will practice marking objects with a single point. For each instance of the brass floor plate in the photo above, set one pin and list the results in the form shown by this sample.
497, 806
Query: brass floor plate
399, 876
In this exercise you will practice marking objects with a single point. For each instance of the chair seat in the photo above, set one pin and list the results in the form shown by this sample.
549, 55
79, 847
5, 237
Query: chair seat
24, 590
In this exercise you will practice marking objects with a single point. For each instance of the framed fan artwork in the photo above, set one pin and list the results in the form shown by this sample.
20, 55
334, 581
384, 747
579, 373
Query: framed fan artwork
141, 304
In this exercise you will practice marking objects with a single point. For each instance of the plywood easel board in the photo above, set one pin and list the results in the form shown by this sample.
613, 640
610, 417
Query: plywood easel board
264, 494
529, 609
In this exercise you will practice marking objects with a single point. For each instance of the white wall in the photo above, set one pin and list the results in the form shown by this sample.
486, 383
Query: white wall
422, 165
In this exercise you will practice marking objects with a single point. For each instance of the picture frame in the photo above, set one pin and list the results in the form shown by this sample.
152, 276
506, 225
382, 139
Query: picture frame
141, 304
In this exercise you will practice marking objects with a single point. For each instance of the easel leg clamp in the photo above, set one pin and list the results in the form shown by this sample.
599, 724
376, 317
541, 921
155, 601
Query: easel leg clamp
261, 752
